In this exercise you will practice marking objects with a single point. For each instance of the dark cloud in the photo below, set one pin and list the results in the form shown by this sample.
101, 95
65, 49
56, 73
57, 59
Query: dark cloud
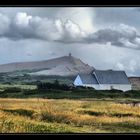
121, 36
24, 26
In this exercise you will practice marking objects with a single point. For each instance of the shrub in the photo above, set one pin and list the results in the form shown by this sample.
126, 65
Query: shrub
12, 90
55, 85
29, 92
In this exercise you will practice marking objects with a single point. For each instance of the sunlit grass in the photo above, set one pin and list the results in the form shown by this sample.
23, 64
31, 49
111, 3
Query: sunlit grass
67, 116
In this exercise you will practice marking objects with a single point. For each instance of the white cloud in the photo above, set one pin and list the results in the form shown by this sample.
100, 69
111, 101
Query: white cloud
4, 24
83, 16
130, 66
137, 40
120, 36
22, 19
25, 26
125, 42
120, 66
126, 30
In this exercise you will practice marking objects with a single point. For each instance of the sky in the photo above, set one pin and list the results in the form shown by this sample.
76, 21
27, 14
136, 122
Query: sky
103, 37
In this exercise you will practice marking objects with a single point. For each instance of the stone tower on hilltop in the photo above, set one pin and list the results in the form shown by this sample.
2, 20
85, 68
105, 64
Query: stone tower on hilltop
70, 55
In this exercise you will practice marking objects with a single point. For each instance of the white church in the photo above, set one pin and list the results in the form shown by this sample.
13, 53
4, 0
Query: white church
104, 80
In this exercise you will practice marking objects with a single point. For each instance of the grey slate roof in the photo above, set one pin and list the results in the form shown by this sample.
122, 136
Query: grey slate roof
88, 79
111, 77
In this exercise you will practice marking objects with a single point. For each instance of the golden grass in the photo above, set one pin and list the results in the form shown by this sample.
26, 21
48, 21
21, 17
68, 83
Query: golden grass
50, 115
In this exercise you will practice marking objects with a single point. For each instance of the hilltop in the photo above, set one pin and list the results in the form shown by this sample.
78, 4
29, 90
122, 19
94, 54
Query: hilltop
61, 66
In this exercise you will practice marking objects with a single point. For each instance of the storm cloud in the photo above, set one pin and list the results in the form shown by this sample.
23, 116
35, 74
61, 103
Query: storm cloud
121, 36
24, 26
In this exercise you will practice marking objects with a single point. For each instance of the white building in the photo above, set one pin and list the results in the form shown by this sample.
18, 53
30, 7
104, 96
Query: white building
104, 80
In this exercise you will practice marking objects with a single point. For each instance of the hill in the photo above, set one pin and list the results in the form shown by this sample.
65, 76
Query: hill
62, 66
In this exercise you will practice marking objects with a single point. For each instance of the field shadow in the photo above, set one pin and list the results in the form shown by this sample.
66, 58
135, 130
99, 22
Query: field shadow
125, 127
22, 112
119, 115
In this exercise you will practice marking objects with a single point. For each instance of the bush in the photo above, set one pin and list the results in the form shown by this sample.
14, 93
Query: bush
12, 90
54, 86
29, 92
112, 91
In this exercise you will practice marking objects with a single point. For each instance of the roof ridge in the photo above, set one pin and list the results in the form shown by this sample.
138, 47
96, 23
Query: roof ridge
96, 77
110, 70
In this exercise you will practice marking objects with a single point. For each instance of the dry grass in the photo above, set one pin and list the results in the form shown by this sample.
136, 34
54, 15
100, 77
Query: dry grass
67, 116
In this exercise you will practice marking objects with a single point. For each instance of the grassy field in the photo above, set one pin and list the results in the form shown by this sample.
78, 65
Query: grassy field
25, 109
4, 86
68, 116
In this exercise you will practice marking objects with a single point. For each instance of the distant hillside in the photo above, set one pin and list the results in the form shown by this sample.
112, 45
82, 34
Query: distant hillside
135, 81
62, 66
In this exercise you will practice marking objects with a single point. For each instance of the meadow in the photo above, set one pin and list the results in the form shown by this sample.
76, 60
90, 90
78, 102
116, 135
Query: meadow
26, 109
68, 116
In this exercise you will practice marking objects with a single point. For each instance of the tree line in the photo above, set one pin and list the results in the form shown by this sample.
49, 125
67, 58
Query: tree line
54, 85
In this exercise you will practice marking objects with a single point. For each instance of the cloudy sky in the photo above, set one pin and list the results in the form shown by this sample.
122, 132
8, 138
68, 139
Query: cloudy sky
106, 38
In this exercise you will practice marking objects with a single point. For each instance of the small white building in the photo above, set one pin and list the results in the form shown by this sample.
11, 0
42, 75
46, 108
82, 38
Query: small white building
104, 80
